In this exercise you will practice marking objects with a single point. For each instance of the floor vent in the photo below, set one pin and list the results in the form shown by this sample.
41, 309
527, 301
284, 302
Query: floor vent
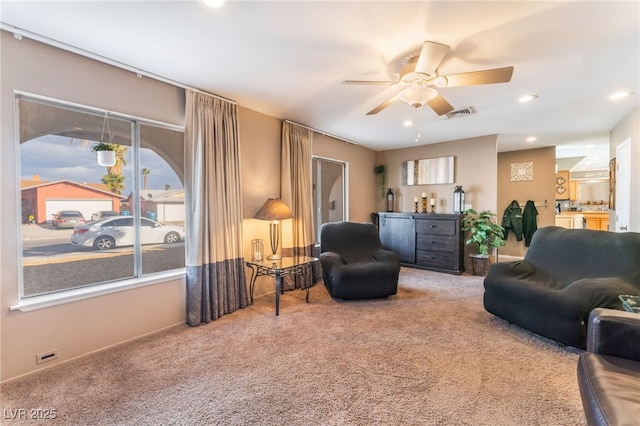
461, 112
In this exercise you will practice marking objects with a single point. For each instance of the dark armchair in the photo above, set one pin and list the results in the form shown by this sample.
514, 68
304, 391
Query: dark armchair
354, 265
609, 371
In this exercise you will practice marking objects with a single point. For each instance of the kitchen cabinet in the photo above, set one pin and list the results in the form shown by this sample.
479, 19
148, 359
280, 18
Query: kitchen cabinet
564, 221
597, 221
425, 241
573, 190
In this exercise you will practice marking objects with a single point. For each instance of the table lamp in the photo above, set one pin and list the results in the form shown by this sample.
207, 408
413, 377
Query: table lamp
274, 210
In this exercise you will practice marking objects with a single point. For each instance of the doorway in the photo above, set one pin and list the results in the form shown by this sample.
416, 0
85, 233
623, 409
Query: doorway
329, 192
623, 187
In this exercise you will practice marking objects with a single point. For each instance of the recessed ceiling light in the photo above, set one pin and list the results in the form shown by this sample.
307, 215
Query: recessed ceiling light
532, 139
527, 98
213, 3
407, 123
618, 95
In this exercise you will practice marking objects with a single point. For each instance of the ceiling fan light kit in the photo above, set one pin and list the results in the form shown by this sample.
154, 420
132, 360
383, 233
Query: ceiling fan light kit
417, 95
419, 77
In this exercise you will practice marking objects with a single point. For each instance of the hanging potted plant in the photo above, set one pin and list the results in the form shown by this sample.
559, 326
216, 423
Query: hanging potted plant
106, 153
380, 171
485, 234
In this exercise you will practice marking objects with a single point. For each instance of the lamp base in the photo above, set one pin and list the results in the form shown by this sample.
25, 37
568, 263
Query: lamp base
274, 257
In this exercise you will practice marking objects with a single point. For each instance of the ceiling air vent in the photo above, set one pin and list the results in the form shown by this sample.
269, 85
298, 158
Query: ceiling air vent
461, 112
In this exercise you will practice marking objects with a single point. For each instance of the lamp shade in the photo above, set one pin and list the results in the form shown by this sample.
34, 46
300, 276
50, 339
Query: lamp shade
273, 209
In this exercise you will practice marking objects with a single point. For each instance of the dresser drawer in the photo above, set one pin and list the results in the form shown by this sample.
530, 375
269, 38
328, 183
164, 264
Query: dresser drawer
436, 259
436, 227
436, 243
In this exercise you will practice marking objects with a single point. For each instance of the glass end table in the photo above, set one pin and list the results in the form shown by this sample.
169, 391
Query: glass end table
295, 265
630, 303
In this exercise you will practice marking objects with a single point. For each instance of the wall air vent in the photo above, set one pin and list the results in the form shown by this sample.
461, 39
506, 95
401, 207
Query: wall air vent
461, 112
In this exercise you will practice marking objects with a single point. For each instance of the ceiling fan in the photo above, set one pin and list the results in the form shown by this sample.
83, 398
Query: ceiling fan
419, 77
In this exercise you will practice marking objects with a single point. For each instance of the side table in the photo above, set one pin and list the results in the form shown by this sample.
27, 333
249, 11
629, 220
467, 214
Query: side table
630, 303
296, 265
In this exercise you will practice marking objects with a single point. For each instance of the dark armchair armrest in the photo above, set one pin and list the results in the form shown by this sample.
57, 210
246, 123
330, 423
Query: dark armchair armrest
615, 333
386, 256
330, 259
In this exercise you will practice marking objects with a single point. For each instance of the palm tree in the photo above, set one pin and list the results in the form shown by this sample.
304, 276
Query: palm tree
114, 179
121, 160
114, 182
145, 176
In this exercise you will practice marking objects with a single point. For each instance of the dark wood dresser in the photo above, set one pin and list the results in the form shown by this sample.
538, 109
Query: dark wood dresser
425, 240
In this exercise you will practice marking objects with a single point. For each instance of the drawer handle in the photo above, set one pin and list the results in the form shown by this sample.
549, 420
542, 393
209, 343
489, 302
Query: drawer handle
434, 226
434, 242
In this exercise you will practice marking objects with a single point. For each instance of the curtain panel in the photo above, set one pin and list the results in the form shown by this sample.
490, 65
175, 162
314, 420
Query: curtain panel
213, 196
295, 190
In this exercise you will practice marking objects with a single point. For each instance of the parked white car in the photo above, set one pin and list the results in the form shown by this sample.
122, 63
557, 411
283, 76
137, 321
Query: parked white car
118, 231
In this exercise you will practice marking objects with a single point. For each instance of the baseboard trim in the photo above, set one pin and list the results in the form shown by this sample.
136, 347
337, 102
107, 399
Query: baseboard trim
104, 348
508, 258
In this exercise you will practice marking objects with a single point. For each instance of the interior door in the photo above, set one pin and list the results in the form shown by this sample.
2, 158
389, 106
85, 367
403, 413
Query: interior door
623, 187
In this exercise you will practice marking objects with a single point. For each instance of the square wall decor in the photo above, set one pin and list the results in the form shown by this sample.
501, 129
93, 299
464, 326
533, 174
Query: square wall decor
521, 172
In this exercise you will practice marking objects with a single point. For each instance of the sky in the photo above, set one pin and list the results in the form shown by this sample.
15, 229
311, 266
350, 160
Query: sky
56, 158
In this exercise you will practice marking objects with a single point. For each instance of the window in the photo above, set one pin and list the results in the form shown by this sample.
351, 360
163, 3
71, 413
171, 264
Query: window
329, 194
83, 223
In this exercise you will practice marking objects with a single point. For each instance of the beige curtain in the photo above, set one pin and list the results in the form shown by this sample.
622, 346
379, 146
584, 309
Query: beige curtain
213, 197
295, 191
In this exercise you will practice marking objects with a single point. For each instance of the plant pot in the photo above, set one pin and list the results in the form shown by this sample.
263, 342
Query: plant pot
107, 158
479, 264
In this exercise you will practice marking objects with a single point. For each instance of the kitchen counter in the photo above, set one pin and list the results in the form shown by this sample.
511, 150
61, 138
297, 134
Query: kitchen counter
598, 220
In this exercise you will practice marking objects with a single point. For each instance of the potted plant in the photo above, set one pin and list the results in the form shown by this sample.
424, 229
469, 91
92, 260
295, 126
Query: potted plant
380, 171
485, 234
106, 153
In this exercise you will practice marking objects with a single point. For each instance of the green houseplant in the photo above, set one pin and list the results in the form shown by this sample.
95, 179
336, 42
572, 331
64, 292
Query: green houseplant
103, 146
106, 153
485, 233
380, 171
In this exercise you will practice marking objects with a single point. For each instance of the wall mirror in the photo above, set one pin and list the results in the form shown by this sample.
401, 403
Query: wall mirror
427, 171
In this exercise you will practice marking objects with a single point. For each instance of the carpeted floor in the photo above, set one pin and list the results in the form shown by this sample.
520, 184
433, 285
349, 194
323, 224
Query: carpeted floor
430, 355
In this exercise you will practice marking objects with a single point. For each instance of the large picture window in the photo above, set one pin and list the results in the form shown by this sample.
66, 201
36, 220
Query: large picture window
85, 223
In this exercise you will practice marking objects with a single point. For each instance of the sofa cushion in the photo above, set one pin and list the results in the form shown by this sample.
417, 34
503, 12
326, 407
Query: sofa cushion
572, 254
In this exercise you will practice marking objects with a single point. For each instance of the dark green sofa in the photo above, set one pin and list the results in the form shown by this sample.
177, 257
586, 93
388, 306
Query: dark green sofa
565, 274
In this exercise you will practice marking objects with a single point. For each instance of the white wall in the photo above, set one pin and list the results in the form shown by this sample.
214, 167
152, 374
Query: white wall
629, 127
475, 169
78, 328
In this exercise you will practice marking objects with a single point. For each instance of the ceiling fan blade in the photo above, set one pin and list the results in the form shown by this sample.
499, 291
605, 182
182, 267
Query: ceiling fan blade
496, 75
440, 105
383, 105
430, 57
370, 82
